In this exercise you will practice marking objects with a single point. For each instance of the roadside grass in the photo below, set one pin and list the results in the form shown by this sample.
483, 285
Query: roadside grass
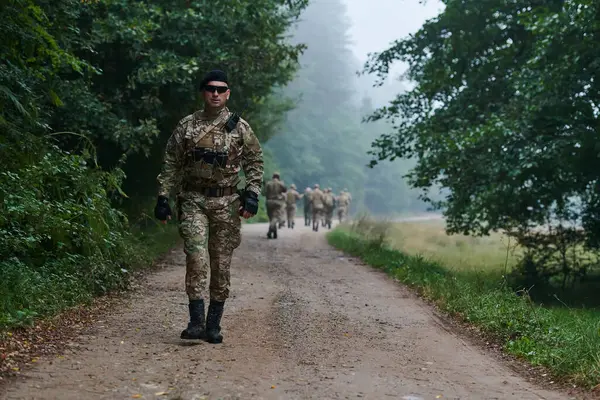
464, 277
457, 252
30, 295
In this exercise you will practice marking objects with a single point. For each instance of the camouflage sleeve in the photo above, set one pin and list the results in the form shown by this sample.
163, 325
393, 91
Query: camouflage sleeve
170, 175
252, 160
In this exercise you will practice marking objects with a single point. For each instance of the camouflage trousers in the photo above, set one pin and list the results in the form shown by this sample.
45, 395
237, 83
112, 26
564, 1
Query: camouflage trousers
317, 214
210, 229
307, 214
291, 212
282, 214
328, 214
342, 213
275, 212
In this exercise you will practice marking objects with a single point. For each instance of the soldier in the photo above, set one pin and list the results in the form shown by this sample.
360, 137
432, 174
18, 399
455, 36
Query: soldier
307, 206
281, 210
328, 206
274, 192
202, 161
317, 206
282, 214
343, 204
290, 205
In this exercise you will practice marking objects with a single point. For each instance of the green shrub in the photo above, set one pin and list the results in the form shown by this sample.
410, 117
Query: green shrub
61, 240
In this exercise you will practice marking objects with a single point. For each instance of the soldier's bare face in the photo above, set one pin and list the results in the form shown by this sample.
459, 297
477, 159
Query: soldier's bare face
216, 94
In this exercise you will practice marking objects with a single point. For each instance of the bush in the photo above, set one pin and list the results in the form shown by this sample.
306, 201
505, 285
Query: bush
61, 240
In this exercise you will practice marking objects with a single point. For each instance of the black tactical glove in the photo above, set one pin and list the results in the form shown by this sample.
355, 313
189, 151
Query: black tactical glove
250, 202
162, 209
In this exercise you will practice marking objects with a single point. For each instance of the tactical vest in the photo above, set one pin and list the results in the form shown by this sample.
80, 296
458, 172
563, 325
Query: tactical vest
211, 156
291, 197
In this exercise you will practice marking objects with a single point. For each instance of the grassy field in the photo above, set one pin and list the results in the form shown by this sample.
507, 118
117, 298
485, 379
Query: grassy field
456, 252
463, 276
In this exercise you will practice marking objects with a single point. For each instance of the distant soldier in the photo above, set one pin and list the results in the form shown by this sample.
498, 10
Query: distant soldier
317, 206
290, 204
281, 216
307, 206
343, 202
274, 192
328, 206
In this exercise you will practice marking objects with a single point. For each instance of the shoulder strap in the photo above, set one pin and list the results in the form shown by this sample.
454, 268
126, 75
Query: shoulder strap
221, 119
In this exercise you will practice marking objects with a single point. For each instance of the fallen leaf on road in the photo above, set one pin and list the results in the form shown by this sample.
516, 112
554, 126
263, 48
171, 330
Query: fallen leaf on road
160, 393
137, 396
272, 386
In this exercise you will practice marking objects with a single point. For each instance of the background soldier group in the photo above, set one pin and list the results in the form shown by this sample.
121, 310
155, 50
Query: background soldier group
319, 205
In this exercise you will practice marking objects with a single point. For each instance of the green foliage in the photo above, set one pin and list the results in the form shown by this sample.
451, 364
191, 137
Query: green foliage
322, 140
61, 240
503, 115
153, 55
527, 330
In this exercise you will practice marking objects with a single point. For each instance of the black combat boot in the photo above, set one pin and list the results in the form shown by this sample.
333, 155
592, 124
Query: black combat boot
213, 322
196, 328
269, 233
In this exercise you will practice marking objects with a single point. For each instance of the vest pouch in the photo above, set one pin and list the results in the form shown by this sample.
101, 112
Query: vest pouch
209, 156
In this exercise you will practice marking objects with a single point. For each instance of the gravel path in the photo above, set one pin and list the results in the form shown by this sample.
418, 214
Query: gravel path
304, 322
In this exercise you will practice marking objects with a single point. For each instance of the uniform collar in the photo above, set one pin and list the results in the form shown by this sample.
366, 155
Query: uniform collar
204, 116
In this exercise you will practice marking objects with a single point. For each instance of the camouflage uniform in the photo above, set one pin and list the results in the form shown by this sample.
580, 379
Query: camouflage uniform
307, 206
208, 202
281, 213
274, 190
290, 204
317, 207
343, 204
328, 206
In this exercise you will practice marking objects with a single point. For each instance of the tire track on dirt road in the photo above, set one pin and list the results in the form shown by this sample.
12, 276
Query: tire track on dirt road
303, 321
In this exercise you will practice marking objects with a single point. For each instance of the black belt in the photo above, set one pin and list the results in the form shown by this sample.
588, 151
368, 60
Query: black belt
211, 191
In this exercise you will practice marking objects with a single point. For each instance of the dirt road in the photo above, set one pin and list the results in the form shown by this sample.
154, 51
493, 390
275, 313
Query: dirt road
304, 322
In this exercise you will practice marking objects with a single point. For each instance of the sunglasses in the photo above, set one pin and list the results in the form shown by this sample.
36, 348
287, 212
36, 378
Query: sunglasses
219, 89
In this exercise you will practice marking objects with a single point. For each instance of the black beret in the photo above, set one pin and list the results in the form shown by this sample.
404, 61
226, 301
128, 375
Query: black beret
214, 75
